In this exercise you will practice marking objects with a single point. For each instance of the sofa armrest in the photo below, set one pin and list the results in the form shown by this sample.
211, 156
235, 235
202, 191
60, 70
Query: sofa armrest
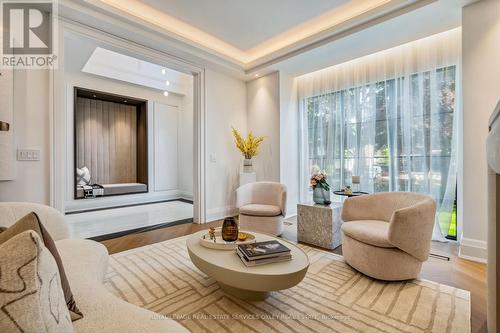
50, 217
410, 228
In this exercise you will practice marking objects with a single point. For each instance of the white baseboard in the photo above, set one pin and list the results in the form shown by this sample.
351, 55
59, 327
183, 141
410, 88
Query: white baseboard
186, 195
473, 249
476, 259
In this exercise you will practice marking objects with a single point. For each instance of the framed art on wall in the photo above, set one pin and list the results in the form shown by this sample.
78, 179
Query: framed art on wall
7, 151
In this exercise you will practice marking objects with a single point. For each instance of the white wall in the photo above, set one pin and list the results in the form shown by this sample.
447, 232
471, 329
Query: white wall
166, 138
31, 130
481, 92
186, 146
289, 140
225, 106
272, 111
263, 115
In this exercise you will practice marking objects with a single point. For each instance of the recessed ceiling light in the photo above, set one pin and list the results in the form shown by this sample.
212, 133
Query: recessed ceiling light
167, 83
256, 75
163, 71
165, 93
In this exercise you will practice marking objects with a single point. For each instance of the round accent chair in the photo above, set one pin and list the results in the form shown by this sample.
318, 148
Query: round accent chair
262, 207
387, 236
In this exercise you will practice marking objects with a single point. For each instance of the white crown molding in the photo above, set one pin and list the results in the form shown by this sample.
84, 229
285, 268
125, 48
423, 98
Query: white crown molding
107, 18
85, 14
177, 28
344, 29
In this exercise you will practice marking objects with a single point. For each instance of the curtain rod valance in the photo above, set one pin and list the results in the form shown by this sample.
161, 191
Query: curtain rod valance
425, 54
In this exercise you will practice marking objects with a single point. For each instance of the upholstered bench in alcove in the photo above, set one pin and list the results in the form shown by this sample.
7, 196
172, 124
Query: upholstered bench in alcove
117, 189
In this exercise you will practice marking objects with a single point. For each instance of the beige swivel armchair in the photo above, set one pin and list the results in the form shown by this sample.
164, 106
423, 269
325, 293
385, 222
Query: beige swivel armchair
387, 235
262, 207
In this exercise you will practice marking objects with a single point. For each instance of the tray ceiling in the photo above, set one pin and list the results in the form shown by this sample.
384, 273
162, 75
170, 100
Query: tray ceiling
245, 24
248, 31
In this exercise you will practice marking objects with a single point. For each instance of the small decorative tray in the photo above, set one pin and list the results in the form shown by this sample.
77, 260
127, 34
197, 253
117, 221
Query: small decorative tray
220, 244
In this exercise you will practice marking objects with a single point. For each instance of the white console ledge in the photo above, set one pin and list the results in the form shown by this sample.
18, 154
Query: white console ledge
493, 140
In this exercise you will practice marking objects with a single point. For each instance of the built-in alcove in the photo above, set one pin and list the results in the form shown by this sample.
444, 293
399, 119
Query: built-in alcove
110, 140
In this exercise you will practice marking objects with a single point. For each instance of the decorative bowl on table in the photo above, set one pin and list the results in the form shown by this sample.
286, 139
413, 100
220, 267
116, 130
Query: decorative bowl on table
220, 244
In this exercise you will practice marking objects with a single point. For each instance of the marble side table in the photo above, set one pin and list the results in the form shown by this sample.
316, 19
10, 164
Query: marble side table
319, 224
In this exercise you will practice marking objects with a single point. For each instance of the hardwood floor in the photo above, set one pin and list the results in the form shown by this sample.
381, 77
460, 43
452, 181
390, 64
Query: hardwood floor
154, 236
456, 272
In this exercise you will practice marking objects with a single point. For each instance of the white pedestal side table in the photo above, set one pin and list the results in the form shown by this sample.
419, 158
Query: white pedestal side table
247, 177
319, 224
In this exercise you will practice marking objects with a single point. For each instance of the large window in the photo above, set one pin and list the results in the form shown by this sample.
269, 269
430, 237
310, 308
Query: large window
397, 134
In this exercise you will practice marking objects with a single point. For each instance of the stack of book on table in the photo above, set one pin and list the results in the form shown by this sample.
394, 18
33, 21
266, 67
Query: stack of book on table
261, 253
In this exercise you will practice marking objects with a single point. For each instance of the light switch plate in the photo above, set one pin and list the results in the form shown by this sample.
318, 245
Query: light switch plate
28, 154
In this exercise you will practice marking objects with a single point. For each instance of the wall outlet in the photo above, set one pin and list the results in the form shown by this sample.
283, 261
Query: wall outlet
28, 154
213, 158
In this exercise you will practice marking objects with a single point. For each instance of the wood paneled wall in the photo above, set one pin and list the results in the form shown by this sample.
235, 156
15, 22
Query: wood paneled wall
106, 140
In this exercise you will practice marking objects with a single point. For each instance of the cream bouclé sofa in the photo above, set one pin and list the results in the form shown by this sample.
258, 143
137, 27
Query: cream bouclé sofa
85, 263
262, 207
388, 235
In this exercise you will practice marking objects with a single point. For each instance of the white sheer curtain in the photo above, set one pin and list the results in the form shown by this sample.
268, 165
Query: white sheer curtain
389, 118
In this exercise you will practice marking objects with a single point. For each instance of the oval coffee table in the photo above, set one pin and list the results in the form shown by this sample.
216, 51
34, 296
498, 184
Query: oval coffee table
249, 283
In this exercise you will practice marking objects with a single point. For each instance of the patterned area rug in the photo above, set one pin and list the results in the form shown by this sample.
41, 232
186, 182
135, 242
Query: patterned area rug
332, 297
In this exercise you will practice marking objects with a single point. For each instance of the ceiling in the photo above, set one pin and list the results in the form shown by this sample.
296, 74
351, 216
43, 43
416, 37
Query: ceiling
247, 32
121, 67
243, 23
250, 38
86, 55
439, 16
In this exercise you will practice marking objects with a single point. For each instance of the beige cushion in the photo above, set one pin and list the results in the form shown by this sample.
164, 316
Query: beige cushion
371, 232
260, 210
31, 297
32, 222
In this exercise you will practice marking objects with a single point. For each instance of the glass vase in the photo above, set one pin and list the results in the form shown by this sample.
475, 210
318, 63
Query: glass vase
321, 196
230, 229
247, 165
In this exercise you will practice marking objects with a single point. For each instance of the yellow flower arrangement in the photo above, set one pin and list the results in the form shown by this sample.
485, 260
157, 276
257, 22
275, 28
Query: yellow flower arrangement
249, 147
